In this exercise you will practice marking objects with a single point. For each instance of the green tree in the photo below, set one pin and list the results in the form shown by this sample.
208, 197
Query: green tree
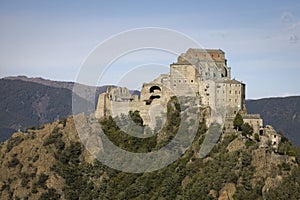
136, 117
247, 129
238, 121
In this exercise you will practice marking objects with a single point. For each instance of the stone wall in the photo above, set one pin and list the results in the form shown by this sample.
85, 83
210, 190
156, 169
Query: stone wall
254, 120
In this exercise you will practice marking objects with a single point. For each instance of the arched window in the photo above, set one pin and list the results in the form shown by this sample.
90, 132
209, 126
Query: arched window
155, 87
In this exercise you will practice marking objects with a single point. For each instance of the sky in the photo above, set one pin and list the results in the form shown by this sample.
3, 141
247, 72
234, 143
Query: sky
52, 39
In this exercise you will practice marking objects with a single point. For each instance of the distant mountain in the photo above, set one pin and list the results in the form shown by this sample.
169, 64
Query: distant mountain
282, 113
82, 90
27, 102
56, 84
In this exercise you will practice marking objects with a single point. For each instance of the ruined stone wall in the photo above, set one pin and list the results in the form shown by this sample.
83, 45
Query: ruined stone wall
268, 134
254, 121
101, 105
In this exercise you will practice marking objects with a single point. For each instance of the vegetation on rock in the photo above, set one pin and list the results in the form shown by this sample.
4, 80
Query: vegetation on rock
63, 168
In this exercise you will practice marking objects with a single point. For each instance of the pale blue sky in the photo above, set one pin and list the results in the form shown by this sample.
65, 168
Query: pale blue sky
51, 39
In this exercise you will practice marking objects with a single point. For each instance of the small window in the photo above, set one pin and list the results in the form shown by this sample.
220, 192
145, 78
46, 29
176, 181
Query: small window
274, 136
192, 81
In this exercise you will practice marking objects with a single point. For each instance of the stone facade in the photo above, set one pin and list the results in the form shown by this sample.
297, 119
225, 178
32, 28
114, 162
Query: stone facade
254, 120
206, 73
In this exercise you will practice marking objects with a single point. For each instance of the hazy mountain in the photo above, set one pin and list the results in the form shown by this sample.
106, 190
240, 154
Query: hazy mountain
57, 84
282, 113
24, 104
82, 90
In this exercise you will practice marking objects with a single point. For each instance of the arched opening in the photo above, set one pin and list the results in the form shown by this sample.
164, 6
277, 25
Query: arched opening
153, 88
225, 72
261, 132
152, 97
155, 97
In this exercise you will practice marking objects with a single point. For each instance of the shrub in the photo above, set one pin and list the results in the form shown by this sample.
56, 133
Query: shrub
36, 157
14, 162
12, 142
34, 188
50, 195
238, 121
25, 182
286, 167
42, 180
55, 135
247, 130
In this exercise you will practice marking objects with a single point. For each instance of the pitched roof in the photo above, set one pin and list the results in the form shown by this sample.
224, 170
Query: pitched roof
206, 50
230, 81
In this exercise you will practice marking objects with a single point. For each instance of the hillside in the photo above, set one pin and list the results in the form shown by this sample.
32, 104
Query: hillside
282, 113
26, 104
52, 163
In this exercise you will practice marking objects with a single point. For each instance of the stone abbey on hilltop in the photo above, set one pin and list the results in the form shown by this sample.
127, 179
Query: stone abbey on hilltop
202, 73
